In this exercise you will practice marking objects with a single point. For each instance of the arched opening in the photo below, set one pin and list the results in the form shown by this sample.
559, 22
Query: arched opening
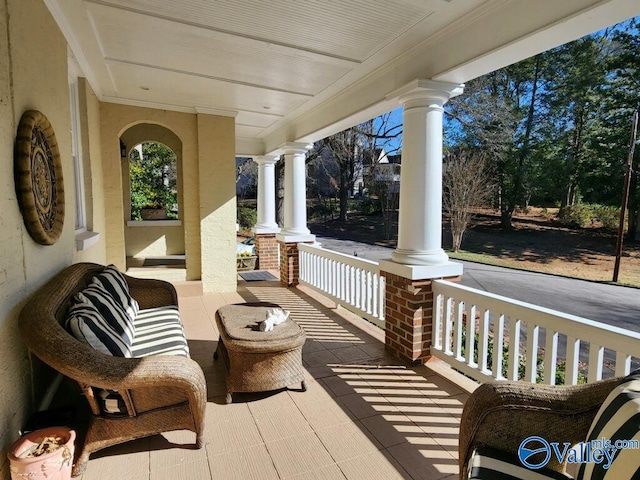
153, 175
152, 199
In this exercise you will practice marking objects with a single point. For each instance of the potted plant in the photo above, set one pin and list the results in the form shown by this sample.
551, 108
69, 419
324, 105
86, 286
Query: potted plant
44, 453
246, 261
154, 211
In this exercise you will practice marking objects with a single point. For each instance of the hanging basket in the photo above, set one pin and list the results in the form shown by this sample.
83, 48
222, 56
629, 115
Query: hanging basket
43, 454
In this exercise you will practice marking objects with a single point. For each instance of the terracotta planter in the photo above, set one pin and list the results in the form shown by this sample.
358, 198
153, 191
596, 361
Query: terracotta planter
55, 465
153, 213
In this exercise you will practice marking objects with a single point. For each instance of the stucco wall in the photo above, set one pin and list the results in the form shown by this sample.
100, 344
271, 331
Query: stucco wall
33, 75
149, 241
217, 202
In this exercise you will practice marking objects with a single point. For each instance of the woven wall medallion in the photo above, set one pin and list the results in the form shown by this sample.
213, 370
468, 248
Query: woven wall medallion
38, 177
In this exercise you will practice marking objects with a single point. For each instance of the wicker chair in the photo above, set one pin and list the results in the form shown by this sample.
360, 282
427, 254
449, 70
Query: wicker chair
161, 393
500, 415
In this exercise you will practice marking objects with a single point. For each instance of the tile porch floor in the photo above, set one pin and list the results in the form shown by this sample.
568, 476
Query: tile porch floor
365, 415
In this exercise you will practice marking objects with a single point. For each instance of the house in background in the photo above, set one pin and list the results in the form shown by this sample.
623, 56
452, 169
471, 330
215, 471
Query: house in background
218, 80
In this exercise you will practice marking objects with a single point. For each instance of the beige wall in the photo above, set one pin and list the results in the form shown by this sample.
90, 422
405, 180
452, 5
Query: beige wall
149, 241
33, 75
217, 202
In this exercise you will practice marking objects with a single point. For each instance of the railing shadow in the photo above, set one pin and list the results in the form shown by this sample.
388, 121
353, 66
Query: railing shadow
410, 415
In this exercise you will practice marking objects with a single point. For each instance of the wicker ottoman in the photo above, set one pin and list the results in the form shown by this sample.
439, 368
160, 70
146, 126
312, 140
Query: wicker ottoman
257, 361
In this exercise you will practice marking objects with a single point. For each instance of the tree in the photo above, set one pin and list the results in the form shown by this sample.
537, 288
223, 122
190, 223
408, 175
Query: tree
352, 149
381, 157
466, 185
153, 178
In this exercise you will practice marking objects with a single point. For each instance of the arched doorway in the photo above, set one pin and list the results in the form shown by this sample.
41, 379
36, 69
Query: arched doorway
152, 199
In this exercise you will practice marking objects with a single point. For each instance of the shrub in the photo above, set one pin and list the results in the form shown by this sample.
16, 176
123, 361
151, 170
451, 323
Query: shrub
579, 215
608, 215
247, 217
369, 206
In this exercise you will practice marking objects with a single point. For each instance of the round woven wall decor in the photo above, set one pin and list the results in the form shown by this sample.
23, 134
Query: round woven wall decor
38, 177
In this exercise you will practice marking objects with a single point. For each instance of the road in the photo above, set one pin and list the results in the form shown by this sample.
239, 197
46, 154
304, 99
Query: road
610, 304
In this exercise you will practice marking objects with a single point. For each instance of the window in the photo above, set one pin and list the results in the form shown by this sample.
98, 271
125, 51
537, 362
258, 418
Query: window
76, 152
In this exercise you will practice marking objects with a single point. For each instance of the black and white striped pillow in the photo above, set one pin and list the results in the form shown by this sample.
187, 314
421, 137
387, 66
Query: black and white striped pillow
617, 419
114, 282
98, 319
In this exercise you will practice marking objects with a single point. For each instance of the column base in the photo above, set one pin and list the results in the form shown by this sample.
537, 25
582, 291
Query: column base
287, 237
409, 313
413, 257
290, 262
267, 251
421, 272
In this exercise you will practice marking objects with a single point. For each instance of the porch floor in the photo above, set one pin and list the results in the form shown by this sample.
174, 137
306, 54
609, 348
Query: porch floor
365, 415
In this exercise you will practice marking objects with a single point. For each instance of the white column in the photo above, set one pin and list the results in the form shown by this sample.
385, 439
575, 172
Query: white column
420, 210
266, 195
295, 195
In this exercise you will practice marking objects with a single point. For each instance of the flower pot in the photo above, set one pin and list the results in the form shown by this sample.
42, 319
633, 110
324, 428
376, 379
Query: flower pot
55, 465
153, 213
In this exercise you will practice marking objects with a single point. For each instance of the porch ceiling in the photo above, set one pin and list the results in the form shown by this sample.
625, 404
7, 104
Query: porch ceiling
292, 70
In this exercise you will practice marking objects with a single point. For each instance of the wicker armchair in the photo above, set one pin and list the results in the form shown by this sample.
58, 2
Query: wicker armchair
501, 415
161, 393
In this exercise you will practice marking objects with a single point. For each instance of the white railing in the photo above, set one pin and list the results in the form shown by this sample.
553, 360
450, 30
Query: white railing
352, 282
487, 336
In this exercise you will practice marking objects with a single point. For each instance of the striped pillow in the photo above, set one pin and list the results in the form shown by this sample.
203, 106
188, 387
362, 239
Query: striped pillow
97, 319
115, 283
617, 419
491, 464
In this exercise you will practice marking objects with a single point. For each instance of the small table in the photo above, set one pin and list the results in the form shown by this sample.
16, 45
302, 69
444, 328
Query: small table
257, 361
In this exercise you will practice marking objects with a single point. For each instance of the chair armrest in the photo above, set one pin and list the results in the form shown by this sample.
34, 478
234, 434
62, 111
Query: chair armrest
151, 293
502, 414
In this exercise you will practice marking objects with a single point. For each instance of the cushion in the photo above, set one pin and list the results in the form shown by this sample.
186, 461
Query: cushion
618, 419
159, 331
98, 320
114, 282
492, 464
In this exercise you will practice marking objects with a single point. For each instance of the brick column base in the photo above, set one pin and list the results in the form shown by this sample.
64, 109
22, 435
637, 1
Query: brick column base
289, 264
267, 251
409, 317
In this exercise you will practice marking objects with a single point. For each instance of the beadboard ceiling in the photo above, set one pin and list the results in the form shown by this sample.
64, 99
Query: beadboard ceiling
293, 70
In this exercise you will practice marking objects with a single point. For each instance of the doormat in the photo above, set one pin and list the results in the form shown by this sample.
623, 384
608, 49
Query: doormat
259, 276
164, 262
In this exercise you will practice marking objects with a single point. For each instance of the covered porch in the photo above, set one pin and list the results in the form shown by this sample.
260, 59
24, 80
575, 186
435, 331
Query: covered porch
364, 415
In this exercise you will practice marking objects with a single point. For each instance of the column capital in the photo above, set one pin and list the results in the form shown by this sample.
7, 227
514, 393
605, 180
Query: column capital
266, 159
429, 90
293, 148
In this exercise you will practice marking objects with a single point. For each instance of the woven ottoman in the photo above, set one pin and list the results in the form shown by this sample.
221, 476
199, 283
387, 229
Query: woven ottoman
257, 361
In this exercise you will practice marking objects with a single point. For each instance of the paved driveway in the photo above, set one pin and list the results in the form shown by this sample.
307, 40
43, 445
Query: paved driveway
611, 304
